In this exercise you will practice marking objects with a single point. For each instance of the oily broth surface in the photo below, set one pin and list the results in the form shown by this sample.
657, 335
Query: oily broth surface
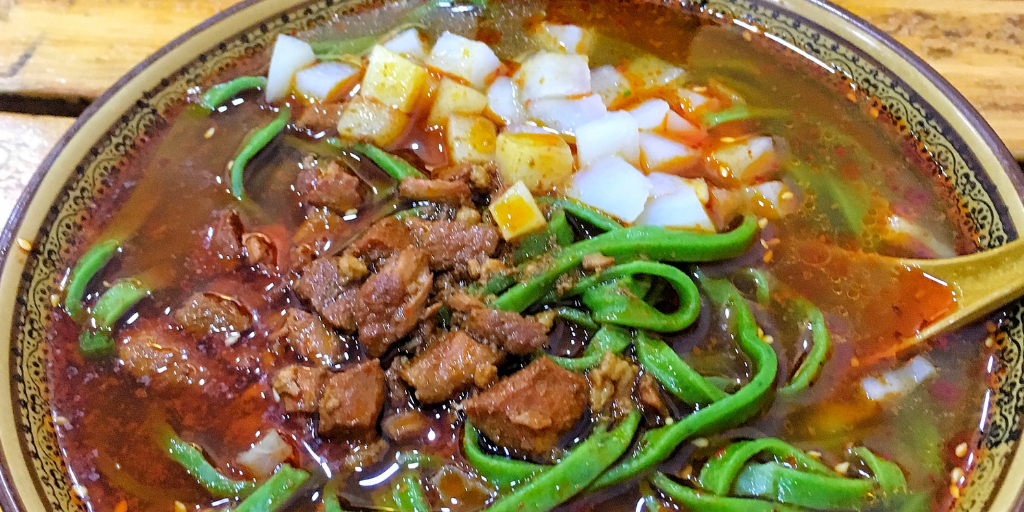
178, 178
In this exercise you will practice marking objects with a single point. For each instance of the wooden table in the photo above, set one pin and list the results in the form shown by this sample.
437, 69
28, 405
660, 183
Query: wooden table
56, 55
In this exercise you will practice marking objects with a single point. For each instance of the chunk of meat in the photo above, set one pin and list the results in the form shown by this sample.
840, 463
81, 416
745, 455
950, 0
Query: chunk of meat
452, 244
331, 186
223, 238
307, 335
440, 191
531, 409
330, 286
210, 313
391, 302
260, 250
509, 330
406, 426
385, 238
299, 388
162, 357
611, 385
321, 228
451, 364
481, 177
352, 401
320, 117
464, 302
650, 397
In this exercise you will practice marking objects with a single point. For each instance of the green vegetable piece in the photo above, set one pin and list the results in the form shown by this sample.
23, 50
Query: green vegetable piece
581, 318
330, 498
889, 476
96, 344
205, 474
621, 303
662, 362
500, 471
706, 502
416, 212
125, 293
609, 338
586, 213
718, 474
739, 113
574, 472
85, 269
833, 195
218, 94
776, 482
396, 167
658, 444
761, 282
253, 145
337, 49
497, 284
654, 242
409, 495
819, 353
275, 492
558, 231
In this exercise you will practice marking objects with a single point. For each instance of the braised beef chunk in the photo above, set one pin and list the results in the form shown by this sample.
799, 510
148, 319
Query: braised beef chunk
384, 239
509, 330
330, 186
330, 286
321, 228
224, 238
320, 117
478, 176
649, 397
299, 388
449, 365
210, 313
452, 244
260, 250
611, 385
352, 401
442, 191
161, 356
391, 302
531, 409
310, 338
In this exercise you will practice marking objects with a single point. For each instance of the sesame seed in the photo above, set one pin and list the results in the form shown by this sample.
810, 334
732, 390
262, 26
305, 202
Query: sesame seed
768, 256
209, 133
842, 468
786, 196
954, 491
814, 453
961, 449
762, 222
701, 442
854, 362
24, 244
769, 339
989, 342
179, 507
748, 37
956, 476
728, 140
54, 300
764, 243
60, 420
81, 491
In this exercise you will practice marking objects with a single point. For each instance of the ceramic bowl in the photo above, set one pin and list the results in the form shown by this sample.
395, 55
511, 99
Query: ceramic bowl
87, 160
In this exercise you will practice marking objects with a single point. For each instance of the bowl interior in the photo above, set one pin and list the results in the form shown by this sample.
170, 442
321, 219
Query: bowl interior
87, 160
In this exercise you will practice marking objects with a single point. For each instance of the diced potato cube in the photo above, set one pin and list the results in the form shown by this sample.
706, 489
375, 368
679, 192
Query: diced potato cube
503, 102
553, 75
615, 134
608, 83
747, 160
566, 115
454, 98
408, 43
661, 154
542, 161
647, 71
614, 187
393, 80
469, 60
565, 38
516, 212
471, 139
364, 119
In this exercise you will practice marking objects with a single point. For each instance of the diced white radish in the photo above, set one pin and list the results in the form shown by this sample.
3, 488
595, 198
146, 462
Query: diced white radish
531, 128
661, 154
692, 100
516, 212
725, 205
612, 186
471, 139
503, 101
898, 382
663, 184
566, 38
771, 199
451, 98
651, 71
393, 80
747, 160
553, 75
319, 81
565, 115
541, 161
607, 82
265, 455
290, 55
682, 209
408, 43
650, 114
678, 126
615, 134
900, 226
470, 60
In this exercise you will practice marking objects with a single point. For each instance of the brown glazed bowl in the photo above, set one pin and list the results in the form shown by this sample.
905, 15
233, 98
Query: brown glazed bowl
79, 171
